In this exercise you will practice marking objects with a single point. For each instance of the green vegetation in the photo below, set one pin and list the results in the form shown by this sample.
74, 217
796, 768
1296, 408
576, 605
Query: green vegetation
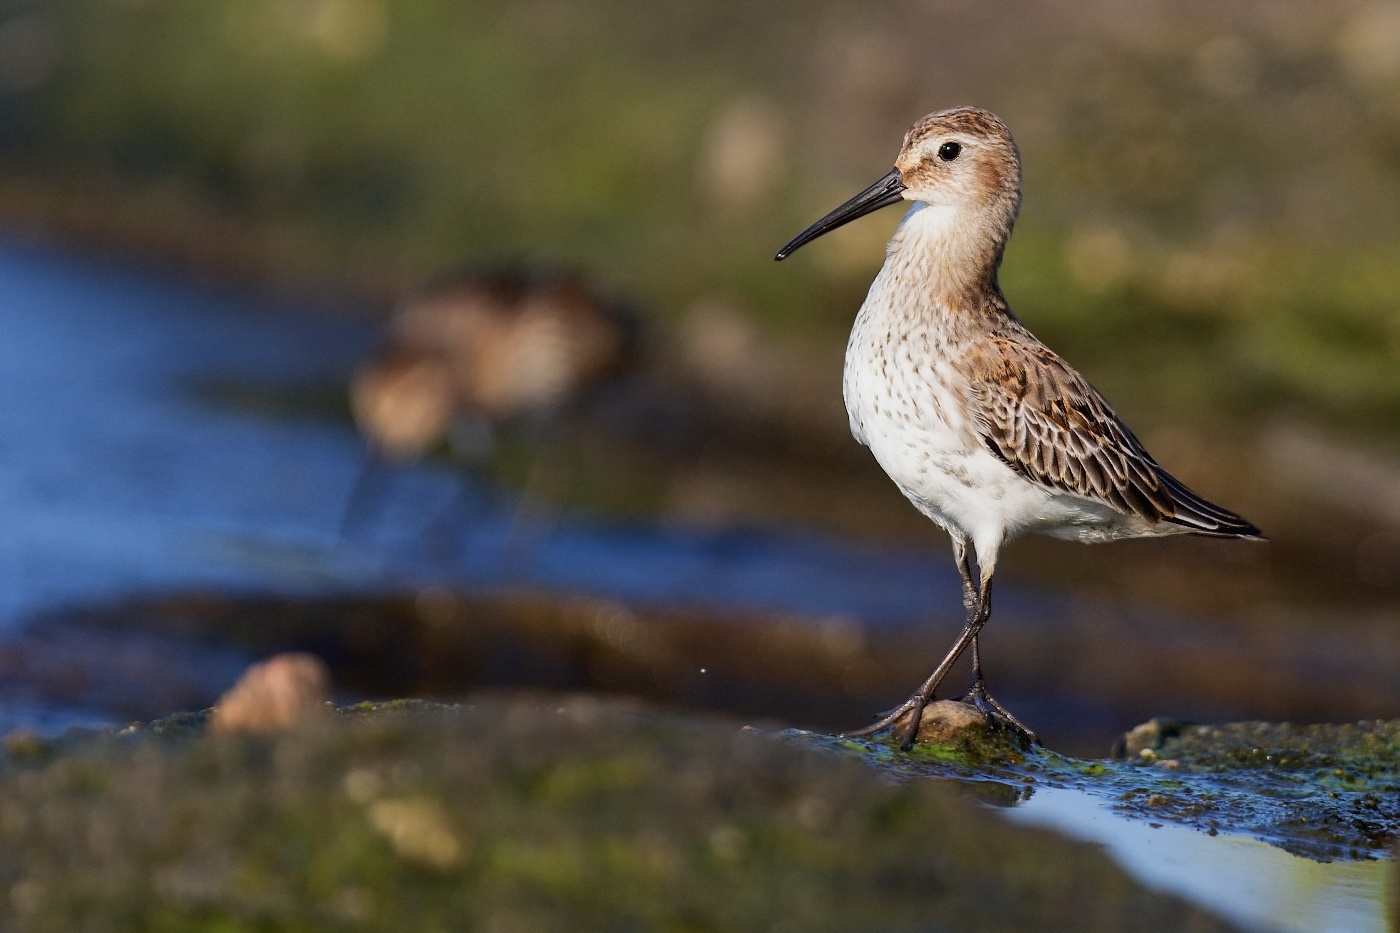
559, 815
1209, 226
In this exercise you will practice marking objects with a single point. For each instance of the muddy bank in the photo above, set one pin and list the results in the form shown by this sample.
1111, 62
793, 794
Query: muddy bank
522, 815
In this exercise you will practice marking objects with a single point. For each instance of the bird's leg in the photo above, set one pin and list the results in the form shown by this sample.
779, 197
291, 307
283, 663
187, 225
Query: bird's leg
914, 706
969, 586
978, 696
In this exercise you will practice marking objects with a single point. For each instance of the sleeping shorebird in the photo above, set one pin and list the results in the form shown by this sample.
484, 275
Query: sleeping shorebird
473, 352
983, 428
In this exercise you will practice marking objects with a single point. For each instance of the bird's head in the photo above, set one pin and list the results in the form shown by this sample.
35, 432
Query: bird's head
963, 158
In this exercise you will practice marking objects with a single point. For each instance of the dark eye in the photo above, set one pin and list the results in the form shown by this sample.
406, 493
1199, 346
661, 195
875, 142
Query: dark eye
949, 151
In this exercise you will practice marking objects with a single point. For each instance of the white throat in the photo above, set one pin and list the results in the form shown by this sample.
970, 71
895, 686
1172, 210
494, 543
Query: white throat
925, 226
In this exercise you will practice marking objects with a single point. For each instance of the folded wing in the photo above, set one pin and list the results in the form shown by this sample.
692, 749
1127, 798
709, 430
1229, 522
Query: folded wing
1048, 424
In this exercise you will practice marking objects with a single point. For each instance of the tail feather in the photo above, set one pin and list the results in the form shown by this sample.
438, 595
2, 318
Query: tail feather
1205, 518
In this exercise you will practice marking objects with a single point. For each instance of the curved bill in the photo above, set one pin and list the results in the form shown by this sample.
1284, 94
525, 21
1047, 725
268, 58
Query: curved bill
883, 193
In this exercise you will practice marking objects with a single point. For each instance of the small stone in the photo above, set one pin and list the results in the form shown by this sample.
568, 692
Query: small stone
1148, 737
274, 695
947, 721
952, 722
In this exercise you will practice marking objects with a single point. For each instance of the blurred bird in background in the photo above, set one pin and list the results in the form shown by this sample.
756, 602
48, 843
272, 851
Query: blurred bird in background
476, 353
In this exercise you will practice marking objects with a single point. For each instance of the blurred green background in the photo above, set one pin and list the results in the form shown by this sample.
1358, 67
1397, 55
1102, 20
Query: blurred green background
1210, 231
1211, 219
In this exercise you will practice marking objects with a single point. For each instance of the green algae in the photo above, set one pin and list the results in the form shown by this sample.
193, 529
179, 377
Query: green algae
561, 814
1320, 791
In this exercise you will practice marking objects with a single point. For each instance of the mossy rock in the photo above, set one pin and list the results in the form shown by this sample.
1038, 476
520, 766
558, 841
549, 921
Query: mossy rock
1323, 792
522, 815
1364, 748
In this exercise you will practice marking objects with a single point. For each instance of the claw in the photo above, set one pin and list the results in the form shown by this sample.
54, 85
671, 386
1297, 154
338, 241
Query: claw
887, 719
978, 696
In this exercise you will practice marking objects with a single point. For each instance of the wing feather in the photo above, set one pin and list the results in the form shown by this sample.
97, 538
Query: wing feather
1046, 422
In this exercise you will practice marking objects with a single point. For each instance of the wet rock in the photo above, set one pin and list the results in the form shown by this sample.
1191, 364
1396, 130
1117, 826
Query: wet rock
274, 695
1324, 791
1327, 793
815, 673
1147, 737
545, 814
946, 721
1370, 746
962, 729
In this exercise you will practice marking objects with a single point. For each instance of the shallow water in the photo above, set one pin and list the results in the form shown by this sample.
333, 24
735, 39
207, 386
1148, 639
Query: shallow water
1251, 882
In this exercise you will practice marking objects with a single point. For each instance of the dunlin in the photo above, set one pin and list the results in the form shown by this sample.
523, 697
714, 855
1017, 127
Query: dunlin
986, 430
475, 351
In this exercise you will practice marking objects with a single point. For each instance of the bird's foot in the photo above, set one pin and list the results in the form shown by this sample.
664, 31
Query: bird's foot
913, 707
978, 696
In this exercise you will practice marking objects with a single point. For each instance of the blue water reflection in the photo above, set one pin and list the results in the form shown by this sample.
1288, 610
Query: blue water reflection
1251, 882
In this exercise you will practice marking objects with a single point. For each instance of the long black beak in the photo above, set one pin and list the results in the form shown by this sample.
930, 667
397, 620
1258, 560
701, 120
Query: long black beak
888, 190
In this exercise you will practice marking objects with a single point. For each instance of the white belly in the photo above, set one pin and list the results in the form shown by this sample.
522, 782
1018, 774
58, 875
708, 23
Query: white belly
903, 406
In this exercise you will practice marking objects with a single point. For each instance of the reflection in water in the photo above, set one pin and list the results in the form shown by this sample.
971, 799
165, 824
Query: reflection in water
48, 718
1249, 881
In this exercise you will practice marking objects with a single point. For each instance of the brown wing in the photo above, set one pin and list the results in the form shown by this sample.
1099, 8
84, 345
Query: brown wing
1048, 424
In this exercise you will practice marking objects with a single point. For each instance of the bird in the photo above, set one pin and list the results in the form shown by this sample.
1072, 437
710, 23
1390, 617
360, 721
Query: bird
987, 431
474, 351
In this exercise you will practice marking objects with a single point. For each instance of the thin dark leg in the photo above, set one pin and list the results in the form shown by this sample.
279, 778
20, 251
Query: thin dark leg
914, 706
978, 696
969, 582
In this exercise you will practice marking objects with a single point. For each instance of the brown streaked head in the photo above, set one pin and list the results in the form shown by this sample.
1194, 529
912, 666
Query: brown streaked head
961, 157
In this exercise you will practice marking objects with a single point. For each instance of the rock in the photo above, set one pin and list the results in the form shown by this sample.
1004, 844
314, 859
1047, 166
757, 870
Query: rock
947, 721
1369, 746
274, 695
963, 729
1326, 791
1148, 737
